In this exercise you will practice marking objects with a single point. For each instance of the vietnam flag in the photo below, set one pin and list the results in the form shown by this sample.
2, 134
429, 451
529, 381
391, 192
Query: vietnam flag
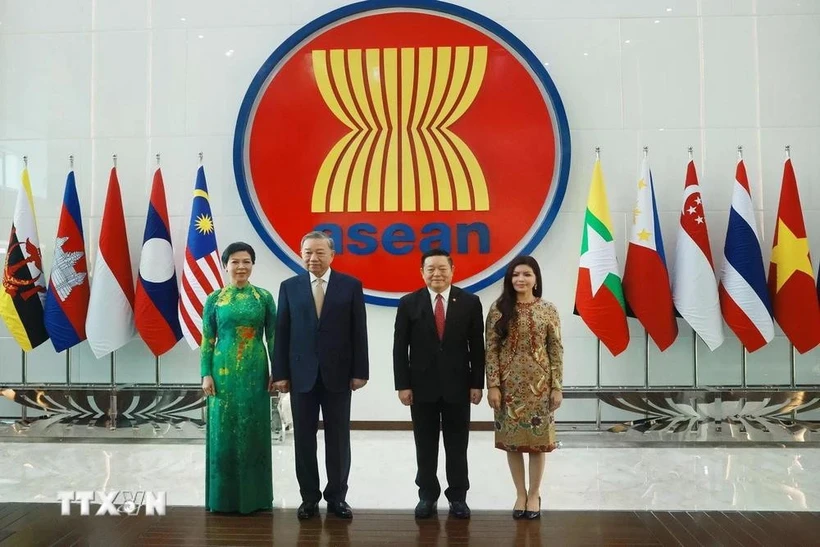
791, 279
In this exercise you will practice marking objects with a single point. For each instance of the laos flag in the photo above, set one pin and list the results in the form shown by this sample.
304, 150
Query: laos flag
68, 290
157, 294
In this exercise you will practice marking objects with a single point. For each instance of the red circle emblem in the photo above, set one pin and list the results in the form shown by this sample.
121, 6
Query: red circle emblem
398, 129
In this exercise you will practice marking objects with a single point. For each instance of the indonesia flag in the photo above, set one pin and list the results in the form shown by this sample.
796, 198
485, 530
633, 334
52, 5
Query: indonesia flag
110, 323
646, 280
157, 293
694, 288
744, 296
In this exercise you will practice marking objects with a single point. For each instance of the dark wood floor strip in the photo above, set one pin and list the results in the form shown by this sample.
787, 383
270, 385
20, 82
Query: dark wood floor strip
41, 524
658, 530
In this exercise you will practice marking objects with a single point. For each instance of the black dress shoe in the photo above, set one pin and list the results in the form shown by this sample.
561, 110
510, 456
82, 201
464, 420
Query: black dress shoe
532, 515
518, 514
459, 510
425, 509
308, 509
341, 509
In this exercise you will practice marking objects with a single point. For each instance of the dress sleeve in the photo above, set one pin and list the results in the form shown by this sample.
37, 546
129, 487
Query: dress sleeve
270, 323
555, 349
492, 357
206, 348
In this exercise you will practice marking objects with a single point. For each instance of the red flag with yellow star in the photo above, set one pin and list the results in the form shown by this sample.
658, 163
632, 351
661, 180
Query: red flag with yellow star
791, 279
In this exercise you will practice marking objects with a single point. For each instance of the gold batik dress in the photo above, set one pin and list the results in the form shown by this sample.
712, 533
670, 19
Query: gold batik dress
525, 366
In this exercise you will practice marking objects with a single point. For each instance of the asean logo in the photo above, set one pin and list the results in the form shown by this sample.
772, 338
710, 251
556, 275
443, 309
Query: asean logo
397, 127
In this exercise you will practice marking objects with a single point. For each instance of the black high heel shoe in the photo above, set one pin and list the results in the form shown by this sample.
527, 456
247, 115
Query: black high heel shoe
532, 515
518, 514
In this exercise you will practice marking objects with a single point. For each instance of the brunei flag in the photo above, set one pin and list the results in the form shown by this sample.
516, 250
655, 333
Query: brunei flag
599, 297
24, 285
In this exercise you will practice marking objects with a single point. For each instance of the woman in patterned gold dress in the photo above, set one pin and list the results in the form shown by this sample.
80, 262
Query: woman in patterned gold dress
234, 366
524, 378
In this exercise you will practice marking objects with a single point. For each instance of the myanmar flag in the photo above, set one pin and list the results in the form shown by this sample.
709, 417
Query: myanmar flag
791, 279
599, 297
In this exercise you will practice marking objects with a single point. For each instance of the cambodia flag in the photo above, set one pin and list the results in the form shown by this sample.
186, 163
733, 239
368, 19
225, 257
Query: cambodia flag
157, 294
68, 289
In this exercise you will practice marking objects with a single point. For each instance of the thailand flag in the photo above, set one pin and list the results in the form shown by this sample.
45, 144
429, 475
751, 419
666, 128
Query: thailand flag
157, 293
744, 295
68, 289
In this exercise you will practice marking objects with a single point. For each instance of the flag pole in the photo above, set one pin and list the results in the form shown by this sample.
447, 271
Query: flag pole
744, 369
743, 366
114, 157
646, 359
200, 159
598, 386
24, 359
695, 380
157, 160
645, 332
598, 353
68, 351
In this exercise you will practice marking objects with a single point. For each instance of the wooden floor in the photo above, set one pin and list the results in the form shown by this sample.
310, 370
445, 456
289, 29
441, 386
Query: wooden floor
41, 524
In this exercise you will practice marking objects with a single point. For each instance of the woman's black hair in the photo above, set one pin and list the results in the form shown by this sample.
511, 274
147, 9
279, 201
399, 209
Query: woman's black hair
237, 247
506, 302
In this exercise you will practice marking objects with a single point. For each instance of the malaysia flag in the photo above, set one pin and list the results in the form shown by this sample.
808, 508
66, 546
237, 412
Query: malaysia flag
68, 288
201, 274
157, 293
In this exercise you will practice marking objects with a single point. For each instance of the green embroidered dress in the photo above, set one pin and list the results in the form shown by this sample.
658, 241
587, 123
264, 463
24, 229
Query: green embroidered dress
238, 446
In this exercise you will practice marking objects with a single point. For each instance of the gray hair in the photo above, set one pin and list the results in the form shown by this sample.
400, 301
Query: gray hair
318, 235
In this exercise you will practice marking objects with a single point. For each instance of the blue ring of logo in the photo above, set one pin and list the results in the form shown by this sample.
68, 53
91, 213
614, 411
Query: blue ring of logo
370, 5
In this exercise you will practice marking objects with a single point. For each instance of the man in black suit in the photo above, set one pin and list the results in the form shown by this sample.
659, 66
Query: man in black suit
438, 365
320, 356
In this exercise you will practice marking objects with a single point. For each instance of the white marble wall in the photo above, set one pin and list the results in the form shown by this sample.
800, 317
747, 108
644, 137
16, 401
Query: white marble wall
140, 77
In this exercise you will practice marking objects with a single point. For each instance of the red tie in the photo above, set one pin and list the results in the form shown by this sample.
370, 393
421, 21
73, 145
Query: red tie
439, 313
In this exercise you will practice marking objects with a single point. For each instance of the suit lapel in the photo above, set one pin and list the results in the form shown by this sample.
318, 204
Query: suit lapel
453, 305
307, 292
330, 290
427, 311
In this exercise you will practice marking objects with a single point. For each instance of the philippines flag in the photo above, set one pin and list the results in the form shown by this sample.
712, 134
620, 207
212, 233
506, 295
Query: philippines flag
646, 279
68, 288
744, 296
157, 295
110, 323
201, 273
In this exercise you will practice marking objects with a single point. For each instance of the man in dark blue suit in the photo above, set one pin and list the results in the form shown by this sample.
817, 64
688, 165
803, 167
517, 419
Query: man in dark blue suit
320, 356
